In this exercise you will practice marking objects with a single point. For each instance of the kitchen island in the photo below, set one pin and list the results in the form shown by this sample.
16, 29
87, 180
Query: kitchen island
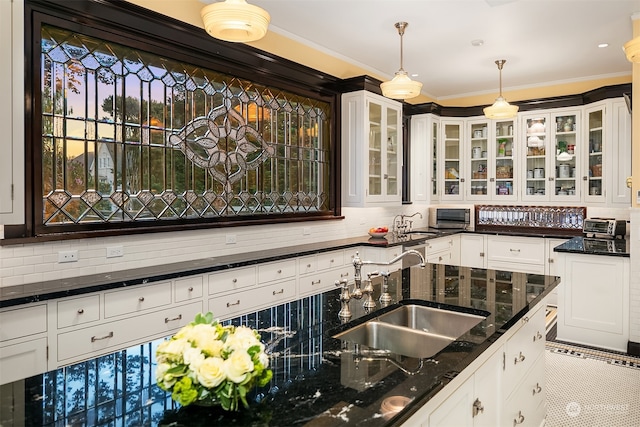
318, 380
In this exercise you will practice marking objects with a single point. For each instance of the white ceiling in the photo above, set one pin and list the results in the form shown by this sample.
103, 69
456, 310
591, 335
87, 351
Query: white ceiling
544, 41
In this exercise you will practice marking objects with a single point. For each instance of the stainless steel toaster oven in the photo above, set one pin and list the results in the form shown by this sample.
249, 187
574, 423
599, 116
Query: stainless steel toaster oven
604, 226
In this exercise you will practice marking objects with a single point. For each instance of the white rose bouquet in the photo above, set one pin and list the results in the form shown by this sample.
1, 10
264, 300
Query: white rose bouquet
211, 363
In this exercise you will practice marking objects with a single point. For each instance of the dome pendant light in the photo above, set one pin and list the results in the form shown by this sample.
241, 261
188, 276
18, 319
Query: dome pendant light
501, 108
401, 86
235, 21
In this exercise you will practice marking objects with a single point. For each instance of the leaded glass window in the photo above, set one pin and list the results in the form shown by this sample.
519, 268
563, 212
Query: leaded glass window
129, 135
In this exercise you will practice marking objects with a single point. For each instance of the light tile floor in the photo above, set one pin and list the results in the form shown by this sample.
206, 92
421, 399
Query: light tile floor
591, 388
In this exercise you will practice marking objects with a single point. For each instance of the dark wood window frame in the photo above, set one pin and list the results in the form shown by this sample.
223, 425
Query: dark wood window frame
140, 28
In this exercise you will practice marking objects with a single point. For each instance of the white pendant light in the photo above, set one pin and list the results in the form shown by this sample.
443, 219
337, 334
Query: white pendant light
401, 86
500, 109
235, 21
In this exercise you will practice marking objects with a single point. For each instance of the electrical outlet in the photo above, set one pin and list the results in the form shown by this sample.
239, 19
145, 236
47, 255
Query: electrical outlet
230, 239
67, 256
306, 231
115, 251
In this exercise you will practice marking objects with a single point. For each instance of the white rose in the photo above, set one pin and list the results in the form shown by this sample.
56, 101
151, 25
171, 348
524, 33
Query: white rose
242, 339
264, 359
210, 372
193, 357
237, 366
185, 332
172, 350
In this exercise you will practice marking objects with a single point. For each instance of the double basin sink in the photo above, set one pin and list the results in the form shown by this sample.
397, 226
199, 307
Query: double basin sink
413, 328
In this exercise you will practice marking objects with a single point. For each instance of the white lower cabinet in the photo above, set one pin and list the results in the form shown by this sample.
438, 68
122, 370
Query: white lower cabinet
226, 306
443, 250
527, 405
93, 341
473, 250
320, 272
593, 300
521, 254
476, 403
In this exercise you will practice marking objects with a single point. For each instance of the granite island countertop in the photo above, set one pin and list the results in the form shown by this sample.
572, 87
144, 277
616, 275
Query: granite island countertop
596, 246
318, 380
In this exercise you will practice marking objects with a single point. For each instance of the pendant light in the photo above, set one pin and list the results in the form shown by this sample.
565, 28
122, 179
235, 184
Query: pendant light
501, 109
235, 21
401, 86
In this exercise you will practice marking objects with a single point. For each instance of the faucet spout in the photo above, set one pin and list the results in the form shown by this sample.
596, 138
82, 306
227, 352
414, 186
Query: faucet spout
422, 263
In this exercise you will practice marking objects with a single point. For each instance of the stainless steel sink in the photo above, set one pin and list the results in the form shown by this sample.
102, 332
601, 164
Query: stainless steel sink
412, 330
426, 233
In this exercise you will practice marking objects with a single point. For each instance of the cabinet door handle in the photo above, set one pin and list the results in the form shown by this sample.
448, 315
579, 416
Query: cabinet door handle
514, 250
518, 420
308, 265
551, 178
518, 359
281, 291
173, 319
525, 319
229, 304
477, 408
537, 389
279, 271
234, 281
313, 282
482, 254
190, 289
537, 336
80, 310
109, 335
141, 299
550, 260
344, 274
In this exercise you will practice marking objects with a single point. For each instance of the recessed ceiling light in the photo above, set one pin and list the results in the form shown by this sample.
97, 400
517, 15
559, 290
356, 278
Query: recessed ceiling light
603, 45
477, 42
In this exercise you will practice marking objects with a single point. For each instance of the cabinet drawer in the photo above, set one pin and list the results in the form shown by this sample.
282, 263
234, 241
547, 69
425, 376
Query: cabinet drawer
516, 249
23, 322
189, 288
523, 349
23, 360
276, 271
231, 280
224, 307
307, 264
528, 402
105, 337
137, 299
442, 244
322, 281
329, 260
78, 311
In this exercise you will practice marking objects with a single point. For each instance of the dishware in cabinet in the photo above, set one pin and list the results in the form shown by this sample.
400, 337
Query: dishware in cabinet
592, 175
452, 164
371, 149
535, 157
565, 159
478, 160
503, 152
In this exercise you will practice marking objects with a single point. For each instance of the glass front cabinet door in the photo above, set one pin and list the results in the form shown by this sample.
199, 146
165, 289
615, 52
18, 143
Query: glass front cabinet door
491, 160
371, 149
452, 164
592, 176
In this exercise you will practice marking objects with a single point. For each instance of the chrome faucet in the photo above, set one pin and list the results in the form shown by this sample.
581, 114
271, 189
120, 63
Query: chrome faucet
401, 227
422, 263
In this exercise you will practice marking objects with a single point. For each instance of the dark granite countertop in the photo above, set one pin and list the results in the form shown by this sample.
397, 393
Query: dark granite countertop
595, 246
318, 380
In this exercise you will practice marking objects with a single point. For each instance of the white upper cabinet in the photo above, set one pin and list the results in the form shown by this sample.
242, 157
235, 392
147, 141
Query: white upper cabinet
371, 150
452, 164
424, 157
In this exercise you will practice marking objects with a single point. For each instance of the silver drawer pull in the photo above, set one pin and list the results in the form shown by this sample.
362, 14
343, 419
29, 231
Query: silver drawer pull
80, 310
173, 319
109, 335
518, 420
190, 289
315, 282
229, 304
279, 271
344, 274
537, 336
281, 291
514, 250
525, 319
537, 389
235, 280
141, 299
518, 359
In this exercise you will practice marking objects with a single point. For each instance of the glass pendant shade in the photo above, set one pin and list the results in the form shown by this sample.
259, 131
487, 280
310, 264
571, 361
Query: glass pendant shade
500, 109
632, 50
235, 21
401, 87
